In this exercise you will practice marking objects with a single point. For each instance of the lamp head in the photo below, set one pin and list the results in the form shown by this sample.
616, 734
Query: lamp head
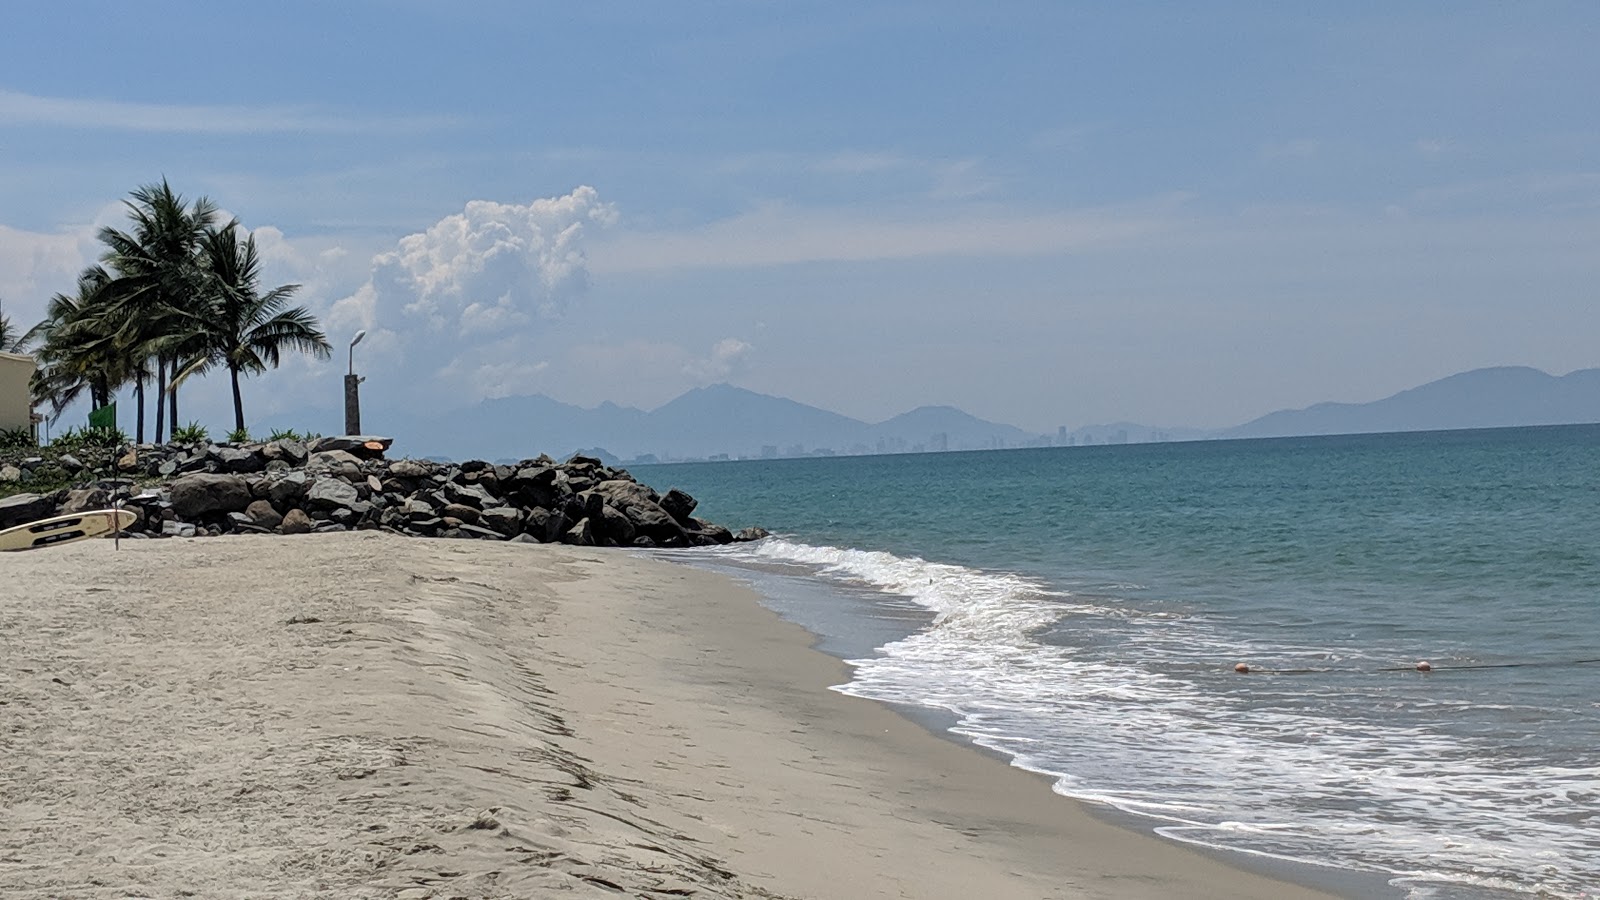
357, 339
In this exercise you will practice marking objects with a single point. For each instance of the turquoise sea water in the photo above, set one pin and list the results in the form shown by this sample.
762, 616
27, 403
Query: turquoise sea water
1084, 609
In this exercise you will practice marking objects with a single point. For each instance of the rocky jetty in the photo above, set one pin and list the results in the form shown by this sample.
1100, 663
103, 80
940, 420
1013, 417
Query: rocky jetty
346, 483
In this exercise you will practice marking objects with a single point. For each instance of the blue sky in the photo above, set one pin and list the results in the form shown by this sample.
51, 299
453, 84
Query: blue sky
1045, 213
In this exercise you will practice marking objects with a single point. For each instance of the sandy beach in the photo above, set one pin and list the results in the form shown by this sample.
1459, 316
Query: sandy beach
362, 715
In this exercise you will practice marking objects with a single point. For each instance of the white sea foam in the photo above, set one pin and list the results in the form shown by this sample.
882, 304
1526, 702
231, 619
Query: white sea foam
1134, 716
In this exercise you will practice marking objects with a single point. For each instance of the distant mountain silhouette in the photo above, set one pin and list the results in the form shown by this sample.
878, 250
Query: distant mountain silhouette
726, 420
1482, 398
709, 421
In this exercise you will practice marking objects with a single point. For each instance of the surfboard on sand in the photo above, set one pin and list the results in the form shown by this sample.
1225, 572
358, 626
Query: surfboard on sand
65, 529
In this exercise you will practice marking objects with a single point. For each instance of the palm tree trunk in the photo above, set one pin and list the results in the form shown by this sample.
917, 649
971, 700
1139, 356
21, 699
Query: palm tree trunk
238, 401
161, 393
172, 414
138, 393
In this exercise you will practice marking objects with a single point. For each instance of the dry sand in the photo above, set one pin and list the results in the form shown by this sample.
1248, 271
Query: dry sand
371, 716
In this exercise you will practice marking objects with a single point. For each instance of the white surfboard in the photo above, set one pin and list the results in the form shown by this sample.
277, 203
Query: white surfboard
65, 529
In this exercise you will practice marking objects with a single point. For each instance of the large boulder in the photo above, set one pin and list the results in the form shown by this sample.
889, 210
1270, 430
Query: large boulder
296, 522
638, 503
287, 491
292, 452
332, 493
20, 509
410, 468
85, 499
679, 505
202, 494
366, 446
262, 514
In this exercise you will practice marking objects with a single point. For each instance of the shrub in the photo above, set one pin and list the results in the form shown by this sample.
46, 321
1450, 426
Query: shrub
285, 434
192, 433
239, 436
17, 438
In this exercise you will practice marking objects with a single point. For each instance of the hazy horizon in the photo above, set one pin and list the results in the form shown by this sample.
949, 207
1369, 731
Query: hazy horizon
1041, 215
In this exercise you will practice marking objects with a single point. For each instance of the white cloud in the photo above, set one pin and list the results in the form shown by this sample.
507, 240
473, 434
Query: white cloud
470, 291
726, 358
17, 108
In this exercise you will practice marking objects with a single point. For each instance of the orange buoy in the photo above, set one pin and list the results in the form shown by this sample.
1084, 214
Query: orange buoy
1242, 669
1424, 666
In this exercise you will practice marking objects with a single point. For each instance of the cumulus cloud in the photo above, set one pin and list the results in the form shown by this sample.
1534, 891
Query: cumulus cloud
472, 289
726, 358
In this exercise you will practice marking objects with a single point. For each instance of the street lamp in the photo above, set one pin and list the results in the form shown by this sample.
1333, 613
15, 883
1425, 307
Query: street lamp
353, 342
352, 391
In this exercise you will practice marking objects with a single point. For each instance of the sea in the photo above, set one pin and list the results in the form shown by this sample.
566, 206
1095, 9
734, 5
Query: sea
1082, 611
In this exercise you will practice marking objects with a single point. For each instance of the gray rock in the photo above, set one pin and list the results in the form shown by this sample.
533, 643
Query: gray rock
360, 444
480, 533
177, 529
410, 468
234, 459
462, 512
19, 509
332, 493
523, 539
705, 533
374, 485
200, 494
262, 513
504, 519
468, 495
70, 463
616, 525
637, 502
85, 499
332, 459
750, 534
581, 534
10, 474
679, 505
292, 452
545, 525
296, 522
287, 491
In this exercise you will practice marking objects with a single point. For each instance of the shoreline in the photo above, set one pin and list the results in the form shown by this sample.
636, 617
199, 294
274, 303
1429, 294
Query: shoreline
940, 723
363, 715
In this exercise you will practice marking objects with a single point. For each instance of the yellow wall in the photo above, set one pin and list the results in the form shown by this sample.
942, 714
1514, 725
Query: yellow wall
15, 373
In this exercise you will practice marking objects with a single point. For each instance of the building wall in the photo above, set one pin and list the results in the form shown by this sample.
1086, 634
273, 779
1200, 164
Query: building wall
15, 374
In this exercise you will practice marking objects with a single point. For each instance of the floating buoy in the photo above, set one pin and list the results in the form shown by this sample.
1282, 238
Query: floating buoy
1242, 669
1424, 666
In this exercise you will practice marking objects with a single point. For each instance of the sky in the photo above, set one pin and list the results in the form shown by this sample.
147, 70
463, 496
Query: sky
1044, 213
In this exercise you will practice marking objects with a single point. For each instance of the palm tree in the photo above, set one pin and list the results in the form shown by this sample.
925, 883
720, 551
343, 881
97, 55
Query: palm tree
245, 330
10, 341
160, 280
76, 351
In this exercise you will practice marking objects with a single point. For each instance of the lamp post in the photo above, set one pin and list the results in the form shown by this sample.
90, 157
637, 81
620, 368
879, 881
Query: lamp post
352, 391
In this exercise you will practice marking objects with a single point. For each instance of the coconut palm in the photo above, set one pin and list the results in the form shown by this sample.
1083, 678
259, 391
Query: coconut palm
76, 350
159, 285
242, 329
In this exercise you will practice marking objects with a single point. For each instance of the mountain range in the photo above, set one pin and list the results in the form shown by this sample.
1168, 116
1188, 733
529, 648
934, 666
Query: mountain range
726, 421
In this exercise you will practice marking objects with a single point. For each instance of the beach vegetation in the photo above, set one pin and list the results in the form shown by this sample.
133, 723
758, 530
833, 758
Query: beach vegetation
239, 436
175, 296
285, 434
240, 328
192, 433
17, 439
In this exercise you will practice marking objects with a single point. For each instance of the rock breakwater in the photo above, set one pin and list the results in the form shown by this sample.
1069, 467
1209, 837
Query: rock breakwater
346, 484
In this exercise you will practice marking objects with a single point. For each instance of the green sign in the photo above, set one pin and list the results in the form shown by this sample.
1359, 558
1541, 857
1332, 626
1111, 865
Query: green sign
104, 417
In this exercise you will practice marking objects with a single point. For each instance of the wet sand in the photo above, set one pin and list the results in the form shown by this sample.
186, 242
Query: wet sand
364, 715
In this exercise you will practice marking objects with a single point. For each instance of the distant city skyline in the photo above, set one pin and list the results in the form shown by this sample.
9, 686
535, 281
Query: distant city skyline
1045, 214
